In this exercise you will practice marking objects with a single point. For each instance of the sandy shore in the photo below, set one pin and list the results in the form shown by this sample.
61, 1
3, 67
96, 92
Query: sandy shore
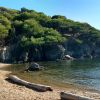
9, 91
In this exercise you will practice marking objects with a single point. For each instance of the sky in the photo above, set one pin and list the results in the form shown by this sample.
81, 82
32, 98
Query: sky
78, 10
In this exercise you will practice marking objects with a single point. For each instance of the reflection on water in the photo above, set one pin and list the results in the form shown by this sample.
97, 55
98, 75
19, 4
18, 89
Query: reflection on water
84, 73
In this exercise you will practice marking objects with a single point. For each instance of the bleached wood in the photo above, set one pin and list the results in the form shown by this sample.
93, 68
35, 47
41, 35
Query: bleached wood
69, 96
37, 87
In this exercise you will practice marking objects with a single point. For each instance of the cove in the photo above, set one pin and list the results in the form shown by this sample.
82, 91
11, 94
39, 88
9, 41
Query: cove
80, 73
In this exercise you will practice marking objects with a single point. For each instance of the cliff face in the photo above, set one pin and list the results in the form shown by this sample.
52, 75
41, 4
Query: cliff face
82, 51
5, 54
54, 52
49, 52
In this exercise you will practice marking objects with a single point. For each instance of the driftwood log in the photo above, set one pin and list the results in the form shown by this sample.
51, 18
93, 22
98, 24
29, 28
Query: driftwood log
69, 96
38, 87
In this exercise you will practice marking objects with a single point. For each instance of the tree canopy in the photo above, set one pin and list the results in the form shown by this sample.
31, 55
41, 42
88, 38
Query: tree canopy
28, 27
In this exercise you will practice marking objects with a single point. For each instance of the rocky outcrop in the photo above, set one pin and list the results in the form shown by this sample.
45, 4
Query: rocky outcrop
35, 54
54, 52
46, 52
38, 53
34, 67
81, 50
5, 54
49, 52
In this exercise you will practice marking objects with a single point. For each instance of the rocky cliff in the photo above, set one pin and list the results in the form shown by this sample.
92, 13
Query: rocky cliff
27, 35
49, 52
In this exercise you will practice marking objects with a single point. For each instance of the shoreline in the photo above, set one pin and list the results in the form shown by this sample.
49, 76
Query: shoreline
16, 92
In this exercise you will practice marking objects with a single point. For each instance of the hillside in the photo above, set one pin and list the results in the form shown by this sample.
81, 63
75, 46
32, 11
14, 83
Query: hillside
27, 35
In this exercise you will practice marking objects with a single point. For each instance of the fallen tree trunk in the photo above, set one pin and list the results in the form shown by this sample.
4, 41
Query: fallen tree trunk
69, 96
38, 87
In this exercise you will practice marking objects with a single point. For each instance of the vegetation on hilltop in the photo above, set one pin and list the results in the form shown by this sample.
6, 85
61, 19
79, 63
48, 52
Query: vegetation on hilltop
27, 28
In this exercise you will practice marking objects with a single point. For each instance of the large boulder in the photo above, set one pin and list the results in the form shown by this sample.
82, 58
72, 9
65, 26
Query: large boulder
34, 67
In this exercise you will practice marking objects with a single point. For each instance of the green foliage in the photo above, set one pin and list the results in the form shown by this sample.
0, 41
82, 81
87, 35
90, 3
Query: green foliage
58, 17
78, 41
30, 28
52, 36
3, 31
5, 26
37, 41
4, 21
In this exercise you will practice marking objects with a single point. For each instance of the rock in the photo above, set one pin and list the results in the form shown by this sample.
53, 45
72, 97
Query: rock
24, 57
46, 52
68, 57
5, 54
81, 50
54, 52
35, 54
34, 67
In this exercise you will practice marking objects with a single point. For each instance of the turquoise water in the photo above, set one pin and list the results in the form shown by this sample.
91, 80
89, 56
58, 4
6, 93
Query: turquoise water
84, 73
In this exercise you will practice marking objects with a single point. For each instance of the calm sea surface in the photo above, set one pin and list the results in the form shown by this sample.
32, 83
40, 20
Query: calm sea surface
84, 73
